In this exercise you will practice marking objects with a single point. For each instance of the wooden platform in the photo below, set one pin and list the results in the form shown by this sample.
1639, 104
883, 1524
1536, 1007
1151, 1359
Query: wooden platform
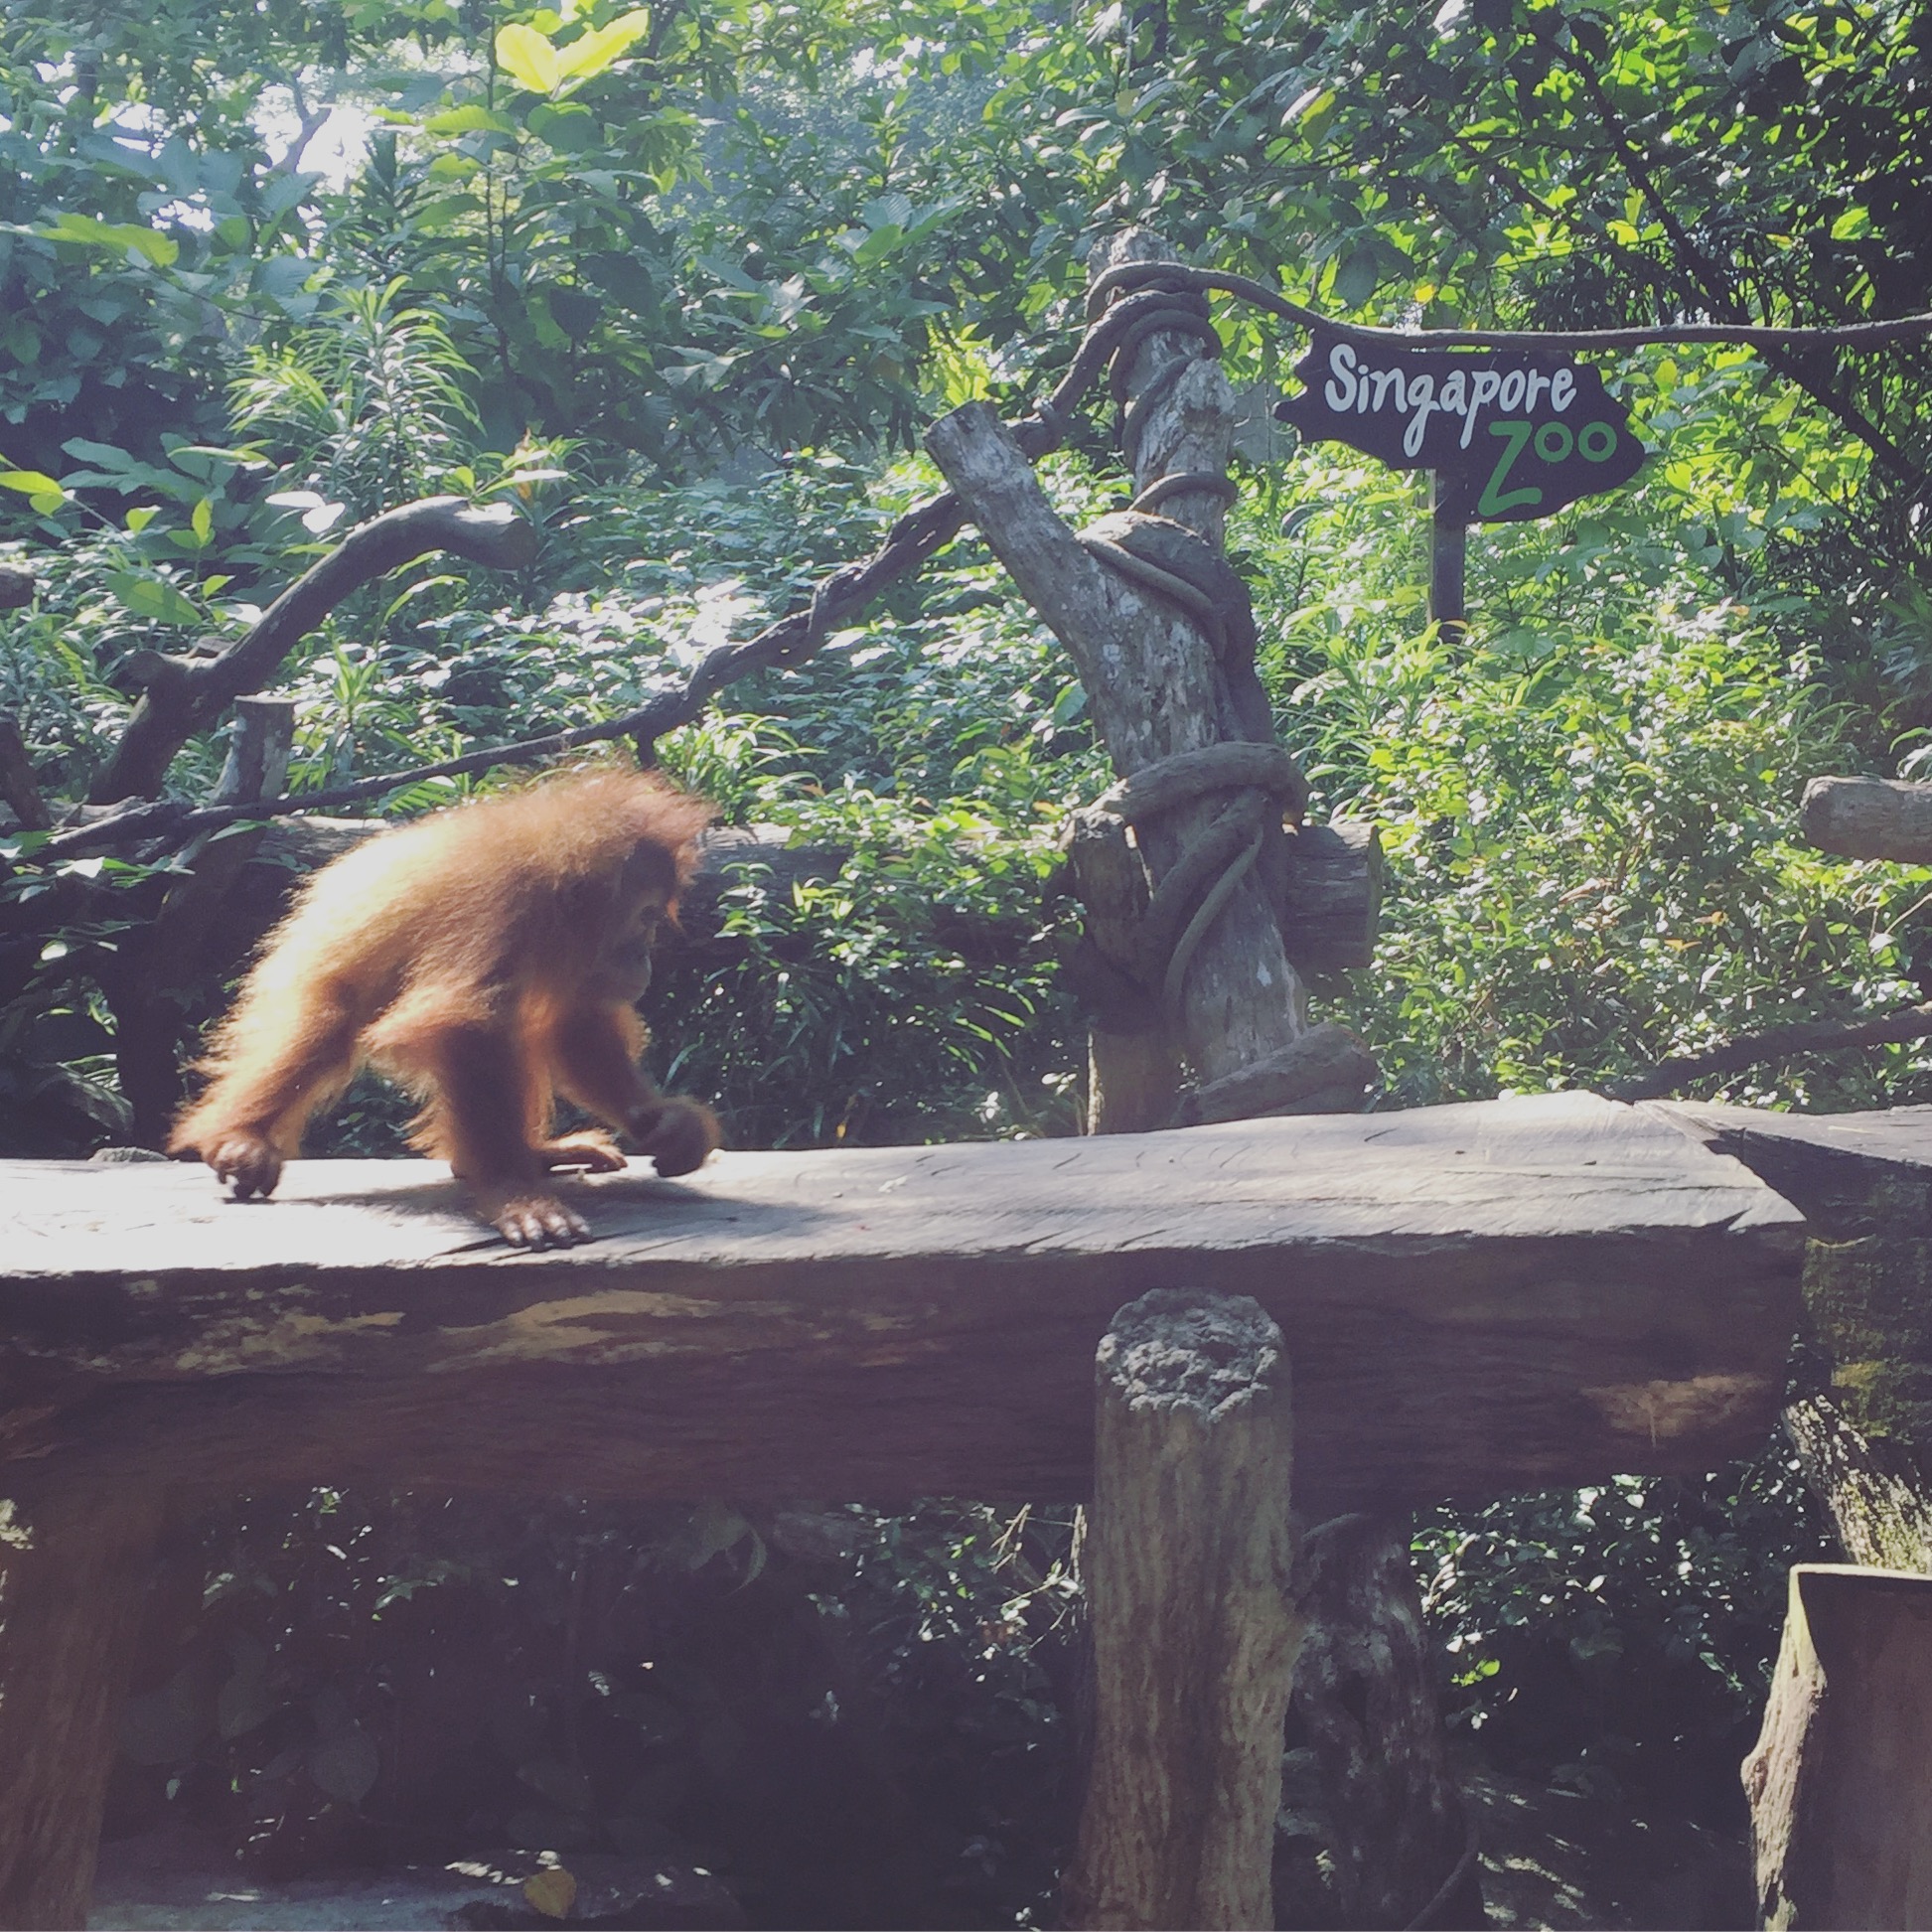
1477, 1299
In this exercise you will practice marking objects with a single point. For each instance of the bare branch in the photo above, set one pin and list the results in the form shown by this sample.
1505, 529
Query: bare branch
187, 695
1808, 1036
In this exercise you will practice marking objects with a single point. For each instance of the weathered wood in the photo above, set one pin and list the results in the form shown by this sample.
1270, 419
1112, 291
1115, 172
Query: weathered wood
1187, 1571
1327, 1071
72, 1574
1152, 682
1480, 1298
1842, 1169
1876, 1491
1839, 1781
1869, 818
1149, 681
1331, 895
1365, 1695
1864, 1182
1863, 1436
1132, 1069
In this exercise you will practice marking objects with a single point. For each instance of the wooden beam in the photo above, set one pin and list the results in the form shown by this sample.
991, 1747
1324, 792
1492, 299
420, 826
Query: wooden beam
1869, 818
1478, 1298
72, 1572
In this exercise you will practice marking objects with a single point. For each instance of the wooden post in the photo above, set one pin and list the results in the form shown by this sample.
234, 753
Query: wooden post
1193, 1641
72, 1570
1840, 1779
1449, 560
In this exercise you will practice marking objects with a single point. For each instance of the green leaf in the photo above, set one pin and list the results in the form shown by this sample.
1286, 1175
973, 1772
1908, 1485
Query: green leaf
1355, 275
529, 57
40, 489
471, 118
592, 53
117, 235
346, 1764
568, 128
202, 521
151, 597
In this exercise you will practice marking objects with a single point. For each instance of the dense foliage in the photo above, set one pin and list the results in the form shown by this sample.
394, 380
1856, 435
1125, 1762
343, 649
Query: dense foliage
681, 283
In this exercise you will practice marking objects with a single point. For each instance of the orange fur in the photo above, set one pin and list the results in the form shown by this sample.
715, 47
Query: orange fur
485, 958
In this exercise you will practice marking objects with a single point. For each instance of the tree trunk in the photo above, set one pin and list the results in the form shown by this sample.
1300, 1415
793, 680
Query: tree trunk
1869, 818
71, 1577
1364, 1694
1186, 1566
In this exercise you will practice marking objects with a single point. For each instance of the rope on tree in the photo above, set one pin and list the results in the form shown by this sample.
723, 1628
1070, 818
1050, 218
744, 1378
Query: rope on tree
1191, 893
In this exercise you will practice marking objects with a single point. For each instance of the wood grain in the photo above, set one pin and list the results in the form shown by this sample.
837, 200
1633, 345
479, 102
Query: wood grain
1478, 1299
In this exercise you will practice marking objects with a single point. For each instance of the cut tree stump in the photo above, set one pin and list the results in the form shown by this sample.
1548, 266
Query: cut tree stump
1840, 1779
1187, 1569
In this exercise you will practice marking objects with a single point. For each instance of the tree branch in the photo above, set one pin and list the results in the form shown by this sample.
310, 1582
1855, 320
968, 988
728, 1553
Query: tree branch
186, 696
1775, 1043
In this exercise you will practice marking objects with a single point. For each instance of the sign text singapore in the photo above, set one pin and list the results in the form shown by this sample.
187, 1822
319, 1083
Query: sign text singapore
1509, 436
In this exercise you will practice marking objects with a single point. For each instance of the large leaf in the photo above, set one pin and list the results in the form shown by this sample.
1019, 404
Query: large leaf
592, 53
120, 236
529, 57
150, 597
346, 1764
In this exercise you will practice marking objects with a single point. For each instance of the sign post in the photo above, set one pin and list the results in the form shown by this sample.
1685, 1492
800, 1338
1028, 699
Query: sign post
1508, 436
1448, 554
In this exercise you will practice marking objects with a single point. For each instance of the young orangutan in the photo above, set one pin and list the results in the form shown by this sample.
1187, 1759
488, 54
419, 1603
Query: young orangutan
485, 958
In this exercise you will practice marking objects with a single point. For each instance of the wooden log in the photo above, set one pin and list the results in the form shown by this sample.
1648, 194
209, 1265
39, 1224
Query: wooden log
72, 1570
1482, 1298
1331, 895
1869, 818
1404, 1849
1876, 1489
1839, 1781
1186, 1566
1327, 1071
1864, 1182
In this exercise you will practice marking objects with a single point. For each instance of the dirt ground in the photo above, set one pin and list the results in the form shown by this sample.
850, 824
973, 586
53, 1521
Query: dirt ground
1551, 1860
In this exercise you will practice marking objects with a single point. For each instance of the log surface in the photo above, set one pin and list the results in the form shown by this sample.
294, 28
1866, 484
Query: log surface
1870, 817
1478, 1298
1839, 1781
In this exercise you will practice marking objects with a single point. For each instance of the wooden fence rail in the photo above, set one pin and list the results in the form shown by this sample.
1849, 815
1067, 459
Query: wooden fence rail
1476, 1300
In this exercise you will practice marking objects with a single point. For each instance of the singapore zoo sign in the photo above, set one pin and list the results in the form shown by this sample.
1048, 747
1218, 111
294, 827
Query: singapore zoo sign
1509, 435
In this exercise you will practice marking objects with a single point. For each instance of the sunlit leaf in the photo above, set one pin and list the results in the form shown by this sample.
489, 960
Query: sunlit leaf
529, 57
